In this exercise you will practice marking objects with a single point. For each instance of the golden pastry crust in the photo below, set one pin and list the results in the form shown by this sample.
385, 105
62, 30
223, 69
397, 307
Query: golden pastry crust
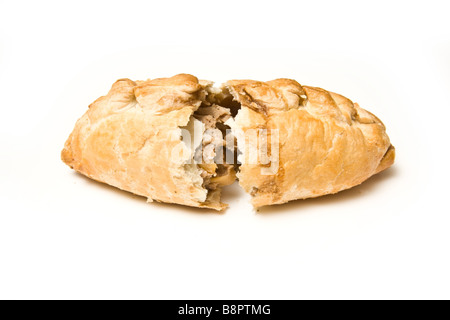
327, 142
127, 138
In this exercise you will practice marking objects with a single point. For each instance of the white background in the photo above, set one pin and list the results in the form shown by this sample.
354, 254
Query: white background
64, 236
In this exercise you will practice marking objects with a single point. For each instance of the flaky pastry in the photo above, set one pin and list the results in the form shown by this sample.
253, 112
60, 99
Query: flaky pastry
315, 142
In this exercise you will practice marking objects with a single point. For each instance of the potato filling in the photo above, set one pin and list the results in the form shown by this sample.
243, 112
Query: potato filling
214, 157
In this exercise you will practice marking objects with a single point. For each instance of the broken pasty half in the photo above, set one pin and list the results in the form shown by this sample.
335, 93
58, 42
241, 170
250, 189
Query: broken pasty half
180, 140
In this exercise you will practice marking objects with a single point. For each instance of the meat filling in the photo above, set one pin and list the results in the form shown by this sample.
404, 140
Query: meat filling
211, 155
